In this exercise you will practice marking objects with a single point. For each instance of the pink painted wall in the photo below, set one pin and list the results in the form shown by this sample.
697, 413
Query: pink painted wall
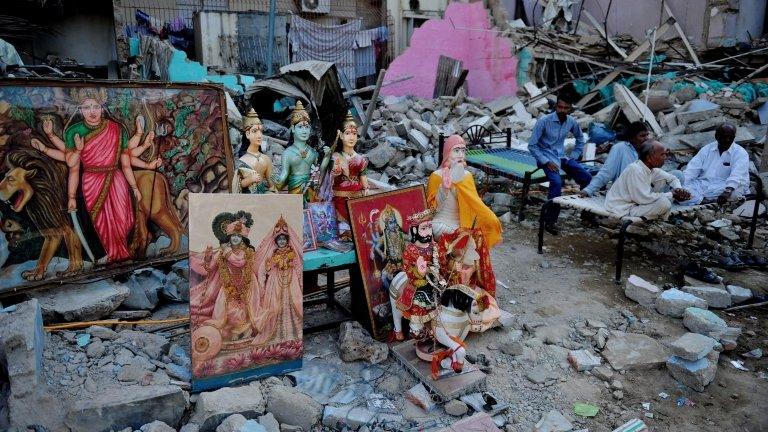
464, 34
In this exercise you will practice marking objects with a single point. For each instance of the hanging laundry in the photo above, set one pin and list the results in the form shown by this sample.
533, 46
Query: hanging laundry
335, 44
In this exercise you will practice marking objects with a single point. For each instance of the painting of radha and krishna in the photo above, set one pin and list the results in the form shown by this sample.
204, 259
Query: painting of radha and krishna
245, 287
98, 174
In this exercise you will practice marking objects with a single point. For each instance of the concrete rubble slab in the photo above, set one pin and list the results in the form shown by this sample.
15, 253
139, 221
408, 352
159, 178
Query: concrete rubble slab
542, 373
739, 294
213, 407
132, 406
634, 109
356, 344
693, 346
626, 351
674, 302
702, 321
355, 416
583, 360
553, 421
717, 298
641, 291
694, 374
86, 302
290, 406
687, 117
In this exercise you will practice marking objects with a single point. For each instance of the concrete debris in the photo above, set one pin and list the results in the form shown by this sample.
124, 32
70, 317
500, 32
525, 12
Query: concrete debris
702, 321
356, 344
695, 374
86, 302
157, 426
674, 302
541, 374
715, 297
738, 294
583, 360
290, 406
641, 291
213, 407
603, 373
626, 351
238, 423
456, 408
693, 346
553, 421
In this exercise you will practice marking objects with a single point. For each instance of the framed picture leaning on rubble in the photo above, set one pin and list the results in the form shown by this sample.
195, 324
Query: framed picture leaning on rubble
246, 272
380, 230
95, 175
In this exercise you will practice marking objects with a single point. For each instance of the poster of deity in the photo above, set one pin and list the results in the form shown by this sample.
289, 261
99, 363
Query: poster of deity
380, 228
245, 287
96, 175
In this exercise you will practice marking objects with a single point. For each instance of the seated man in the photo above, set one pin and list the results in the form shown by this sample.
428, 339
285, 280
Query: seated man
720, 170
622, 154
547, 145
637, 191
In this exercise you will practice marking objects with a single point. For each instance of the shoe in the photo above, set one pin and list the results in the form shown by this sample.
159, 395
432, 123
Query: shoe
551, 228
754, 261
727, 262
703, 274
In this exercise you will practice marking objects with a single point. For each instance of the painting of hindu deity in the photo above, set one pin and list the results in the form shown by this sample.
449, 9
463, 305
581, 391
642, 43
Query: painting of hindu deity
324, 220
380, 229
97, 175
310, 243
245, 287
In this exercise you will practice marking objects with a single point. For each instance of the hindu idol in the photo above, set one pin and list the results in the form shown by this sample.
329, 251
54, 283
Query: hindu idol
349, 174
253, 169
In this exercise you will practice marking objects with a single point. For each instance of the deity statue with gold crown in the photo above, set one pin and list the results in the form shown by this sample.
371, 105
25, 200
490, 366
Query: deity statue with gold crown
253, 169
299, 158
348, 173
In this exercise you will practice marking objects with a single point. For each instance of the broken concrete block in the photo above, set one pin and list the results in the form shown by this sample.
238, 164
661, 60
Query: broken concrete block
124, 407
356, 344
603, 373
144, 285
674, 302
290, 406
633, 351
583, 360
715, 297
738, 294
534, 91
634, 109
702, 321
502, 104
641, 291
687, 117
213, 407
423, 127
22, 342
157, 426
402, 127
86, 302
658, 100
706, 125
380, 155
154, 345
553, 421
419, 139
606, 114
693, 346
694, 374
354, 416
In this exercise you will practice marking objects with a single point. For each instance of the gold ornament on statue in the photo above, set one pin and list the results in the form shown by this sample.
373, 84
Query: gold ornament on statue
299, 114
349, 123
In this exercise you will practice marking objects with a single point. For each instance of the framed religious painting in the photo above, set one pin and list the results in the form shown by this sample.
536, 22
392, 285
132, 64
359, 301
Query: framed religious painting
324, 219
380, 230
95, 175
310, 243
245, 287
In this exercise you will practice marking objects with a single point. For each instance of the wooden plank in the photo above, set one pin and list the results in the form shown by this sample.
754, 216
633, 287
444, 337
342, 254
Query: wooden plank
635, 109
600, 30
372, 104
634, 55
449, 76
680, 32
757, 71
349, 93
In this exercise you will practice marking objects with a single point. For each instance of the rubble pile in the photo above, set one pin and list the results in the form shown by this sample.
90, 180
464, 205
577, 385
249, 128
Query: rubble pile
695, 354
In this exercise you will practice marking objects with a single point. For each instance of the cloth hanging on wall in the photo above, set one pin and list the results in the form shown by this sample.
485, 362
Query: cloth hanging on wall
155, 57
335, 44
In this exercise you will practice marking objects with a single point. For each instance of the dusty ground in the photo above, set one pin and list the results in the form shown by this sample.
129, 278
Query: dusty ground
579, 286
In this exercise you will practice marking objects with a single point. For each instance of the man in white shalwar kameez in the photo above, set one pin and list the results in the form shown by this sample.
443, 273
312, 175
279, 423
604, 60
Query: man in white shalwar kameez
639, 190
719, 171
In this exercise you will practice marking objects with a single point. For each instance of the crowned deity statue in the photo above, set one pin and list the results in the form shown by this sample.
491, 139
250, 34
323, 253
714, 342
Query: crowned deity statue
253, 169
348, 173
452, 192
299, 158
412, 291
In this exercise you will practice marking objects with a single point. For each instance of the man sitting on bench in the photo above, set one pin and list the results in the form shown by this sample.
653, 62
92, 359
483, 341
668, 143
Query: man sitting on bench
622, 154
638, 190
547, 145
720, 170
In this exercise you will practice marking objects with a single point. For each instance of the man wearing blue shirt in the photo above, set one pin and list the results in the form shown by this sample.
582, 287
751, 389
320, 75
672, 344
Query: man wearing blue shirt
547, 146
622, 154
